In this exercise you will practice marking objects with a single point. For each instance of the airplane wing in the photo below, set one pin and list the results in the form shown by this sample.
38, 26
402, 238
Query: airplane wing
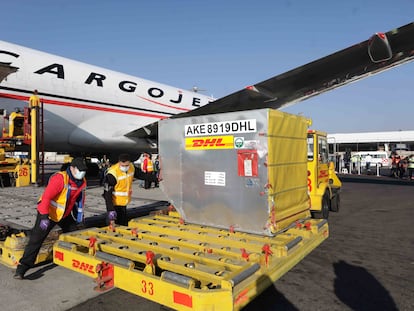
382, 51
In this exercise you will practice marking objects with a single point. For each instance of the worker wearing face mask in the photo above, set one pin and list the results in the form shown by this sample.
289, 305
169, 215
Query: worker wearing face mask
61, 204
118, 189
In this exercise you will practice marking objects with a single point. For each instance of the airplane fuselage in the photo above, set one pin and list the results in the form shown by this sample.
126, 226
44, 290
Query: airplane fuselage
87, 108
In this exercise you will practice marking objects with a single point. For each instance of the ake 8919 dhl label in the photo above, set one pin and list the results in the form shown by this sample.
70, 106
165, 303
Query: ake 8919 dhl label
220, 128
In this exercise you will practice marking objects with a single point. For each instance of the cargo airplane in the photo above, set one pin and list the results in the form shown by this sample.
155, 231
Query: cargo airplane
91, 110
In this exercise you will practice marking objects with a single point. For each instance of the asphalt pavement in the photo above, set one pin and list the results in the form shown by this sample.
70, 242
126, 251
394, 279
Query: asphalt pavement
366, 263
48, 286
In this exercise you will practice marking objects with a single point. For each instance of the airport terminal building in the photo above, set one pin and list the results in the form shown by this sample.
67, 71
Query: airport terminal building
398, 141
343, 146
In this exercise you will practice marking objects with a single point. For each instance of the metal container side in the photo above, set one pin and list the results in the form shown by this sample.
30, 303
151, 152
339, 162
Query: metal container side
241, 170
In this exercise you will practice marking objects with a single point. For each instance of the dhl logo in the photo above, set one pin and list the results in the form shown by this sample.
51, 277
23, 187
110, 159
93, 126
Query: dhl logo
323, 174
83, 266
209, 142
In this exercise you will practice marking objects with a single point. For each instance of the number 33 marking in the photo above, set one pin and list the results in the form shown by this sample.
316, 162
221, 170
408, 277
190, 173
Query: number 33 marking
147, 288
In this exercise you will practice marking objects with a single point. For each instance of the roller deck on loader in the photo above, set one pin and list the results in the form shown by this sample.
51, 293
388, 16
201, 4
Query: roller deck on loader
240, 218
186, 266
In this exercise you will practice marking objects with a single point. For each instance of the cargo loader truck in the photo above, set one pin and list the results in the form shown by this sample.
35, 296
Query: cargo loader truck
14, 171
323, 184
240, 215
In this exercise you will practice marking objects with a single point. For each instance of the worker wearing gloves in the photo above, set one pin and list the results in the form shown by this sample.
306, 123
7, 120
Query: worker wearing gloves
118, 189
61, 203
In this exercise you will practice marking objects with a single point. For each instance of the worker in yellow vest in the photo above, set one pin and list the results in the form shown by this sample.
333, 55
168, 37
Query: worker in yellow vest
118, 189
34, 100
60, 204
148, 170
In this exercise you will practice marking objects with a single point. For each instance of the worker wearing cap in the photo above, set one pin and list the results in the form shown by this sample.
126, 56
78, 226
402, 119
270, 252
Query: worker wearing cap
118, 189
61, 203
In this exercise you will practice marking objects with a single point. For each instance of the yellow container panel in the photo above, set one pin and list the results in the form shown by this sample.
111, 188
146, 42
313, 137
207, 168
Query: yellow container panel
287, 168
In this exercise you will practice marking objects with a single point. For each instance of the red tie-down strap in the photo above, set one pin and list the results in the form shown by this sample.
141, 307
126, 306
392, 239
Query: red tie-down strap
268, 252
245, 255
150, 268
150, 258
266, 187
92, 244
134, 232
112, 226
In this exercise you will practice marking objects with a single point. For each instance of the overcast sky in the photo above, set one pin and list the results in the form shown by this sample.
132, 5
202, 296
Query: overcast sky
224, 46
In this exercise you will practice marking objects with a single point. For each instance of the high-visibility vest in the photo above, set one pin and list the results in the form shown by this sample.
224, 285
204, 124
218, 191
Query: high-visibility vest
123, 189
58, 204
150, 166
34, 101
411, 162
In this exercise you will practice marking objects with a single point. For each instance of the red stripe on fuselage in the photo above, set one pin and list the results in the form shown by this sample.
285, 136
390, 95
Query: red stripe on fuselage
84, 106
164, 105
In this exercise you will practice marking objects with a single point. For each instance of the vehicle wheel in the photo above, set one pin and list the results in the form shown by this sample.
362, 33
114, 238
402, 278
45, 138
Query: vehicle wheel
324, 212
335, 202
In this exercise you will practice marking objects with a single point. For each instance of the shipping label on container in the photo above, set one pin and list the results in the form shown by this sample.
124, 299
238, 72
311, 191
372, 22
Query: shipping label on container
215, 178
209, 142
220, 128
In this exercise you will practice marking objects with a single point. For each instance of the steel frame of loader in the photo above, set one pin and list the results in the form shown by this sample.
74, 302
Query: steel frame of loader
187, 266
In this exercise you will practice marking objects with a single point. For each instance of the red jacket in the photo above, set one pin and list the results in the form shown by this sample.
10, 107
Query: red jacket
54, 187
147, 165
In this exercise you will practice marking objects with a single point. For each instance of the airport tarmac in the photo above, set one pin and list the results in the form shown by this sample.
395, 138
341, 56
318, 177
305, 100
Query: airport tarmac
51, 287
367, 263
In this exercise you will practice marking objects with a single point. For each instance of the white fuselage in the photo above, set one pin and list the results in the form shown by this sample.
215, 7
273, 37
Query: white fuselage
87, 108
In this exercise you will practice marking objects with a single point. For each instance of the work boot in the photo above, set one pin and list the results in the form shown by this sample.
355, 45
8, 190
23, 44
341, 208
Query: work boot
20, 271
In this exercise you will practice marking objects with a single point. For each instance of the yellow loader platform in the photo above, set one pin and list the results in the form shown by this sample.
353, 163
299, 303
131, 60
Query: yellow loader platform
187, 266
12, 248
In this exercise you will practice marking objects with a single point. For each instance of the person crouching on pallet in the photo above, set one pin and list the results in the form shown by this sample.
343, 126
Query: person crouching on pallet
60, 204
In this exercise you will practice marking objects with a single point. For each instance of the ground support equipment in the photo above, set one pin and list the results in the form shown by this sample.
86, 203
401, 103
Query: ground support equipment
12, 248
187, 266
